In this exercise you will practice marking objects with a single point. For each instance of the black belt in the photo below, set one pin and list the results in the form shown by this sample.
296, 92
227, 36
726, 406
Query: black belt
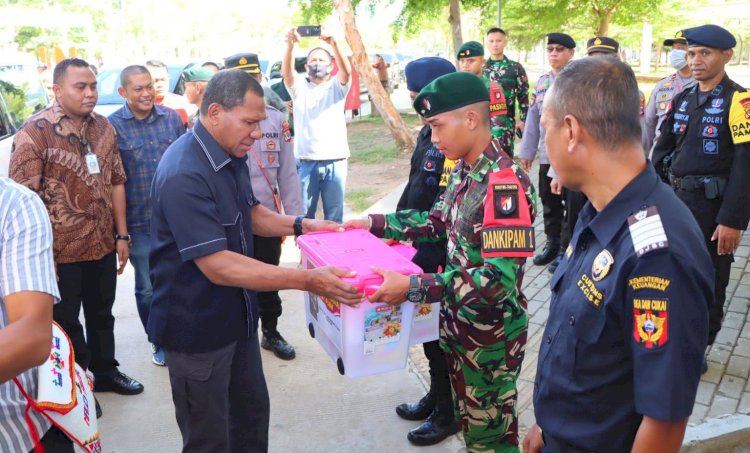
560, 446
696, 182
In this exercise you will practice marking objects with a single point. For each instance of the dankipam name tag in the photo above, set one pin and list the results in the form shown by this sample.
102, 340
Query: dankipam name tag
92, 163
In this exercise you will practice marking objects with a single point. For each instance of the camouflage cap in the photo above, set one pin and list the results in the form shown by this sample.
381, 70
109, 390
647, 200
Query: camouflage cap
450, 92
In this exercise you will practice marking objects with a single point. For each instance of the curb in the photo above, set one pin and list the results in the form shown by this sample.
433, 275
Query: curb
726, 434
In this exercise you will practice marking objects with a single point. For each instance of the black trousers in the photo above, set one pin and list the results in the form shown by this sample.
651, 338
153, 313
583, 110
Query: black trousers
440, 383
90, 284
220, 398
574, 202
268, 250
552, 205
705, 212
55, 441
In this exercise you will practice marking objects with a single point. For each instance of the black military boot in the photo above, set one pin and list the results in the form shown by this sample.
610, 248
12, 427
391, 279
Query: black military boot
553, 265
440, 424
273, 341
550, 251
419, 410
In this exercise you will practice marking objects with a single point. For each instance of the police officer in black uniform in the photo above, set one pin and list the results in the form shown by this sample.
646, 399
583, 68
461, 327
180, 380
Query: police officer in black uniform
697, 154
620, 359
428, 179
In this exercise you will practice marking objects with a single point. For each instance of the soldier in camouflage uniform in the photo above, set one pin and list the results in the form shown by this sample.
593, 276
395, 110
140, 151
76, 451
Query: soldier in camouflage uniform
483, 319
511, 76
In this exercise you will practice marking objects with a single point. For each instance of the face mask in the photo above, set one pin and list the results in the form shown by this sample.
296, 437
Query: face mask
317, 70
677, 59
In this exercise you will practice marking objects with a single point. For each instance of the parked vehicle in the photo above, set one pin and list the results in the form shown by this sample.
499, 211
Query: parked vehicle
21, 95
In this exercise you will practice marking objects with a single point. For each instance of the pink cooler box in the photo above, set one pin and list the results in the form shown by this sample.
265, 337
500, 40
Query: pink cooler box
426, 325
373, 338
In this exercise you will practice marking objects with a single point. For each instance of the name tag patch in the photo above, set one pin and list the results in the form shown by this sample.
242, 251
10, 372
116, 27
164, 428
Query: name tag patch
508, 241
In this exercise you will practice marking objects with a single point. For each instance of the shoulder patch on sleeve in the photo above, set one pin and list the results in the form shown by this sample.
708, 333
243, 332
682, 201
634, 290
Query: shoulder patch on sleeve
650, 322
739, 117
647, 231
507, 230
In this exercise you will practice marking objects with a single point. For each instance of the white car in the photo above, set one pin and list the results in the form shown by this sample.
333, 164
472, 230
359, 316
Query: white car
21, 95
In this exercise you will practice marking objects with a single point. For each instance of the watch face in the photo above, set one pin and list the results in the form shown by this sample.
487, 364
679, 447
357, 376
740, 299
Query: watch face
415, 296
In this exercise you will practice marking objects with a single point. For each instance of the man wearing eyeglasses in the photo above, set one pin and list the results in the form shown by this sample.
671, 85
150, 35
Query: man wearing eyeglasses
560, 50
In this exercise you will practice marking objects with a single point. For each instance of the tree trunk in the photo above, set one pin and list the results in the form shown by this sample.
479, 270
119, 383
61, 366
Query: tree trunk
454, 19
604, 21
400, 132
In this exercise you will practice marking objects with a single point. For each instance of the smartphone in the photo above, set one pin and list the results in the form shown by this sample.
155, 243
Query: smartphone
307, 31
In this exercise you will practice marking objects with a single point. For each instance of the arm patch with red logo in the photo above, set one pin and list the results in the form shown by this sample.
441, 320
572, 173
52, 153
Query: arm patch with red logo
506, 230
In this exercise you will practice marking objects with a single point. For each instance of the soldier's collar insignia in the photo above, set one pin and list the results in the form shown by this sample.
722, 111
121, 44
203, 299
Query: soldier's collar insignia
601, 266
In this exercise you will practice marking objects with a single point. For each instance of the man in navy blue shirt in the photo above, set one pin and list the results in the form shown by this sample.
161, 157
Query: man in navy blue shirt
144, 131
204, 311
620, 359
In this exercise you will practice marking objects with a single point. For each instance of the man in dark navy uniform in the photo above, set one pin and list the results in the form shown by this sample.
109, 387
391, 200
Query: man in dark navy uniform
707, 163
620, 359
428, 179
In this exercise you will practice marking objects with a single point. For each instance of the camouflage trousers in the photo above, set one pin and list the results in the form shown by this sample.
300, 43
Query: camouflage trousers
504, 130
483, 376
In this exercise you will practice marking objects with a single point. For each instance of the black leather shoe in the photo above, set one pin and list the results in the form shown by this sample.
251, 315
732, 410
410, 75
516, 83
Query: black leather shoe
119, 382
419, 410
549, 253
273, 341
553, 265
98, 408
439, 425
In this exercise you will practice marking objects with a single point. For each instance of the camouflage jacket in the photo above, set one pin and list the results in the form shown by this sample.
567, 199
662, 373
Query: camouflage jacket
474, 291
512, 77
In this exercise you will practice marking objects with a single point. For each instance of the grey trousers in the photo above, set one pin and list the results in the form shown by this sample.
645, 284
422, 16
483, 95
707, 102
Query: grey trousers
220, 398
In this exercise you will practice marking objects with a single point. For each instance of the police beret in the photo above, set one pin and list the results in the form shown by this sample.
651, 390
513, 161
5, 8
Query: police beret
248, 62
422, 71
709, 36
679, 38
470, 49
450, 92
602, 44
561, 39
197, 74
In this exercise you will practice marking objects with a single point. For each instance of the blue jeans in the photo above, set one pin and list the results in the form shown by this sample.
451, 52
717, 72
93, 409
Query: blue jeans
139, 260
323, 179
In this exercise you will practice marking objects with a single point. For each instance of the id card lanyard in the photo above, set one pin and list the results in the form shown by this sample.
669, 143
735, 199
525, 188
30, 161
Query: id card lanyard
92, 162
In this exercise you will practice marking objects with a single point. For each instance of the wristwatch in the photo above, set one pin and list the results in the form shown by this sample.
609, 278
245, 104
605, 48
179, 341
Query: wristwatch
120, 237
298, 225
416, 293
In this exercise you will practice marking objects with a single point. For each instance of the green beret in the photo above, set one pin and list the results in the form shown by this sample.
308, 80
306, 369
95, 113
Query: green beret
450, 92
197, 73
470, 49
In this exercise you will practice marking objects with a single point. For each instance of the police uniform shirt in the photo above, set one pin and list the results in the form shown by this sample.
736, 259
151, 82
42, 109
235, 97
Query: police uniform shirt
656, 110
697, 130
628, 320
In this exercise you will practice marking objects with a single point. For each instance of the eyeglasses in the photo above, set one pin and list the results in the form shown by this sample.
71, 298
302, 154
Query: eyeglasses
557, 49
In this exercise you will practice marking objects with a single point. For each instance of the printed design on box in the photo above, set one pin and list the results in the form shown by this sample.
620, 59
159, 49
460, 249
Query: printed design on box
333, 306
382, 326
423, 312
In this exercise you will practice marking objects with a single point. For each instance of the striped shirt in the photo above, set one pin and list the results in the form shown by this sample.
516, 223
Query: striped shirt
26, 264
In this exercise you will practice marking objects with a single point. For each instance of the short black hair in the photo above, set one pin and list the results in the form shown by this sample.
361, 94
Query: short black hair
228, 88
156, 64
131, 71
495, 30
62, 67
602, 93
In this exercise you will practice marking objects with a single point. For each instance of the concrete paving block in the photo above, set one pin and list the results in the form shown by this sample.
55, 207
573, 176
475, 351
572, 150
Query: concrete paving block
699, 413
727, 336
714, 373
722, 405
720, 353
744, 406
705, 393
738, 366
745, 330
742, 348
731, 386
734, 320
739, 305
534, 305
742, 291
742, 252
745, 278
726, 435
